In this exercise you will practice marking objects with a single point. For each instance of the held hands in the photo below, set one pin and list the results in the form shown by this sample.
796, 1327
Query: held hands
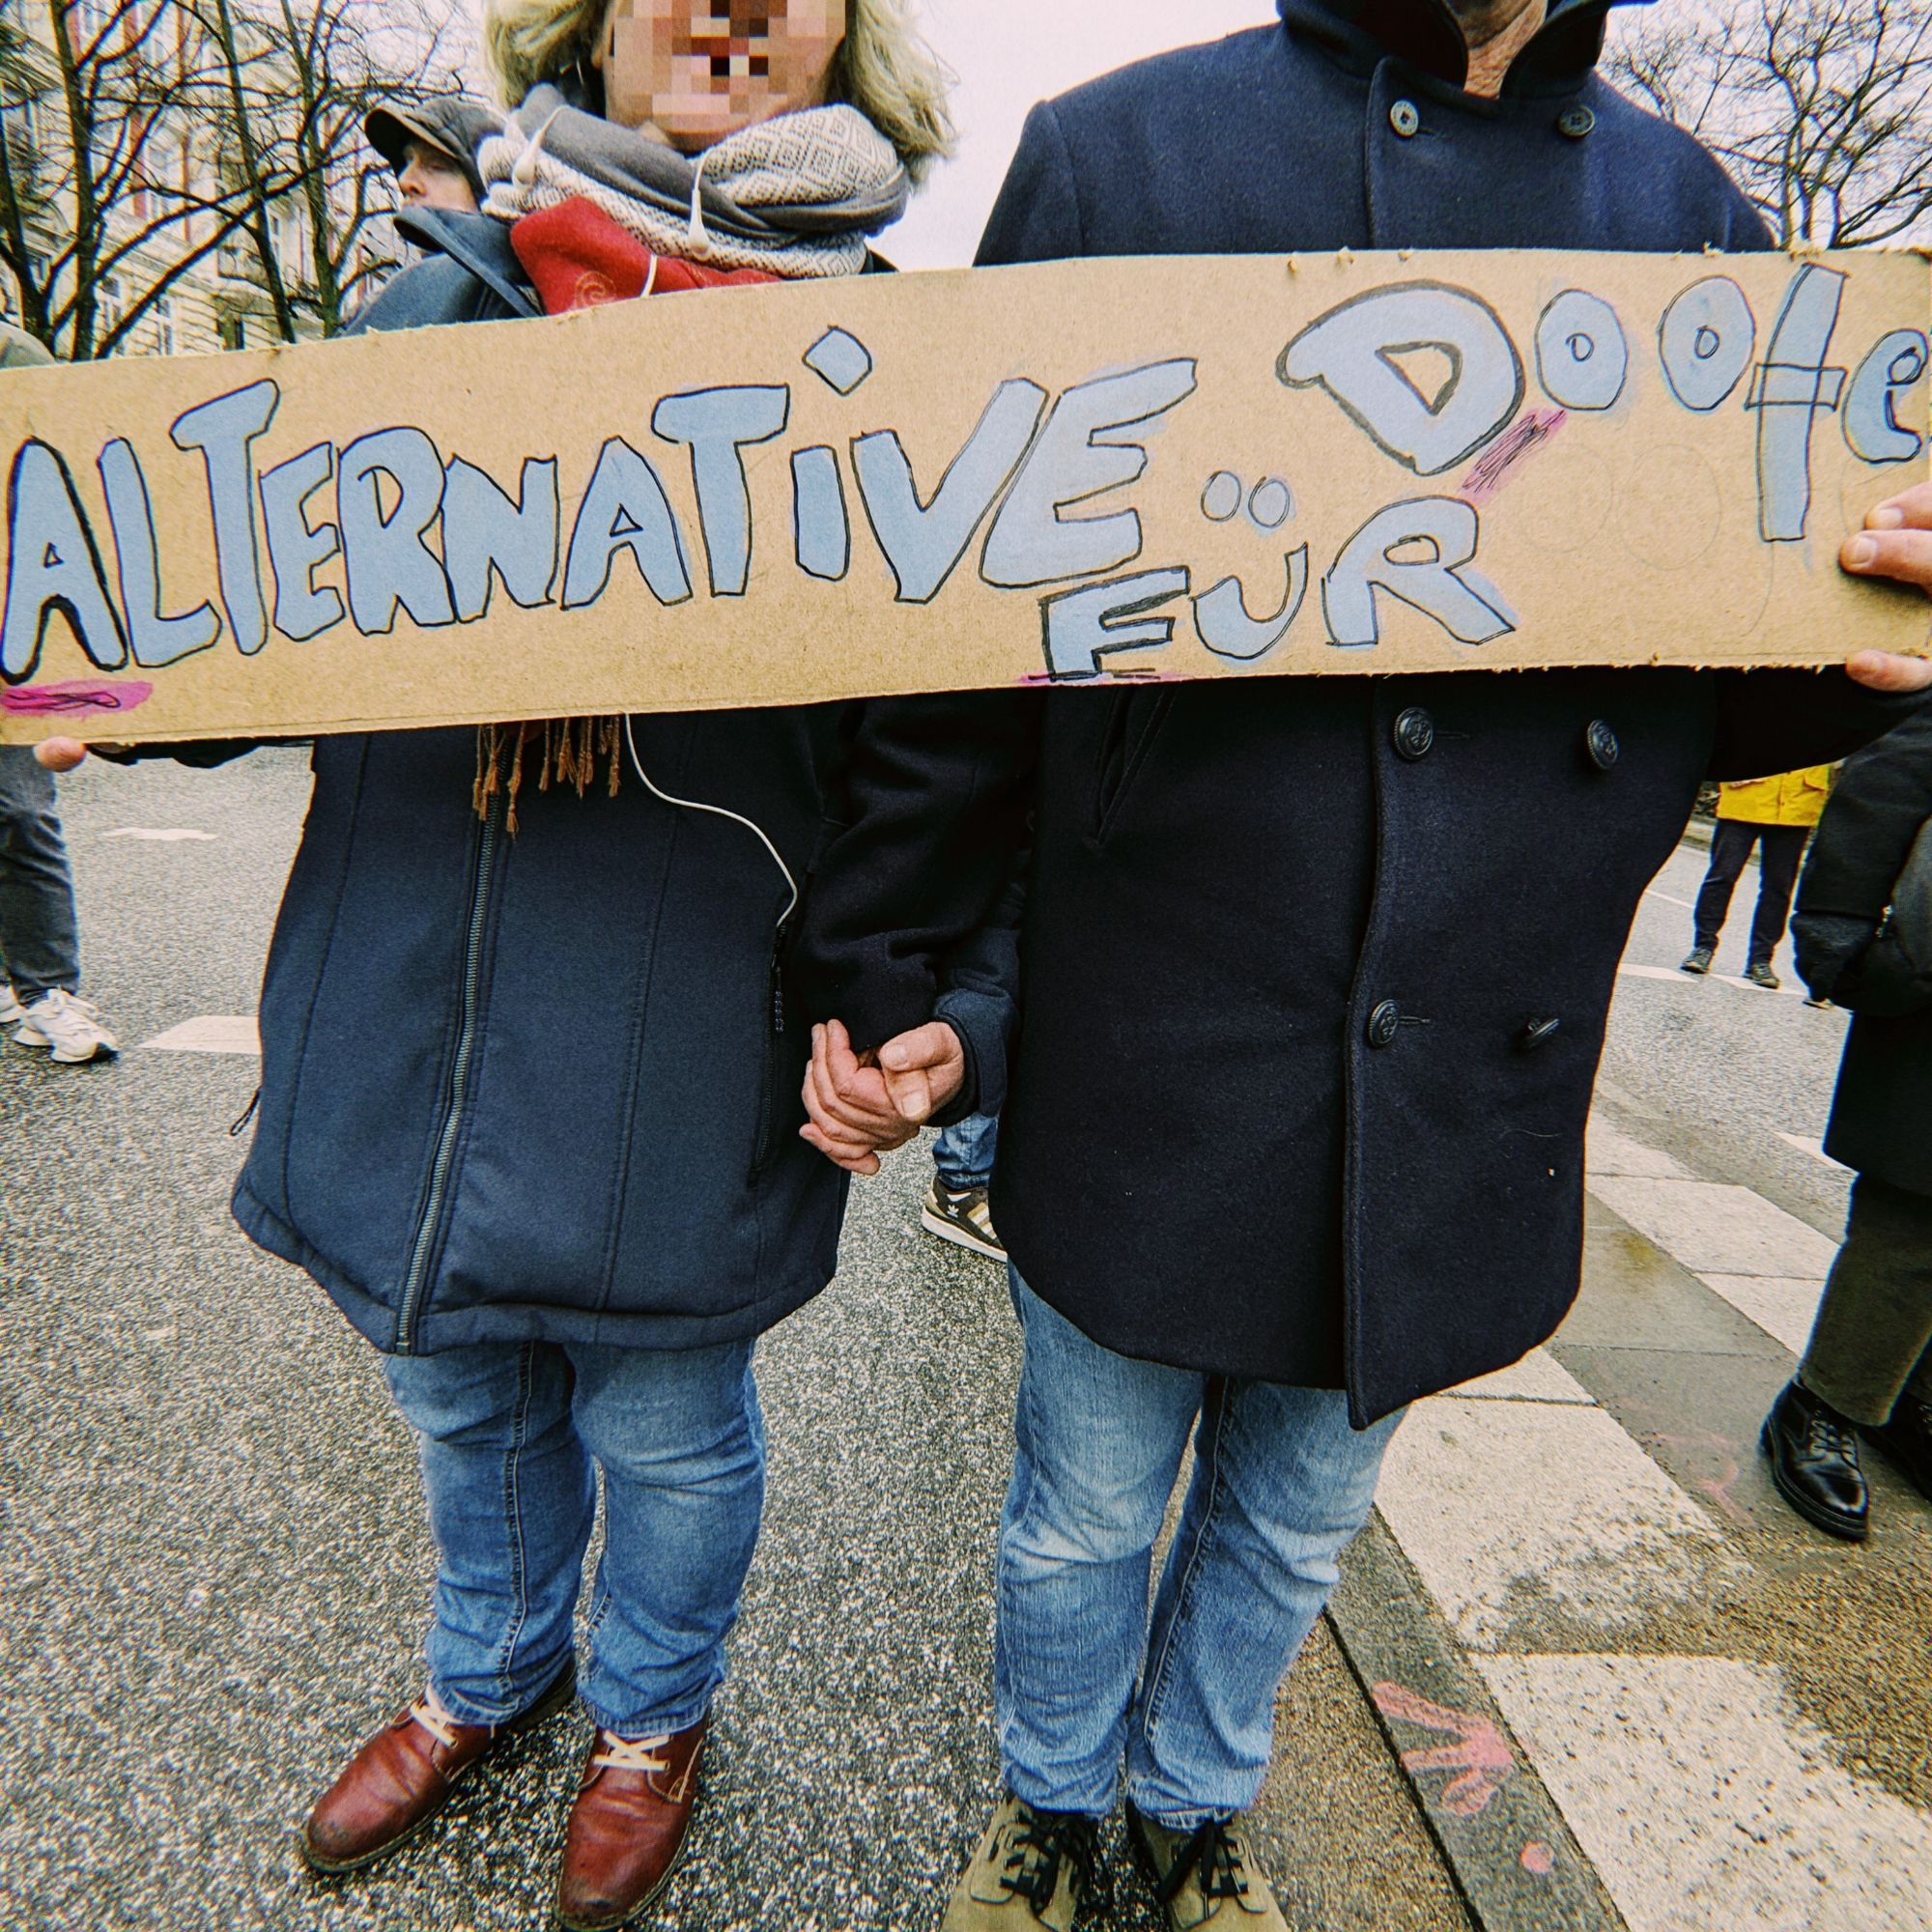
1896, 541
864, 1106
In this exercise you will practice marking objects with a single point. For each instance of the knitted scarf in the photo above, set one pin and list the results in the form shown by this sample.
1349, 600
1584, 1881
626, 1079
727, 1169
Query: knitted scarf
795, 195
600, 214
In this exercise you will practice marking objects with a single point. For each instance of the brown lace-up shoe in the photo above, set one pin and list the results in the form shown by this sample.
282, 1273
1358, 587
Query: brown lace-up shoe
627, 1828
404, 1775
1207, 1877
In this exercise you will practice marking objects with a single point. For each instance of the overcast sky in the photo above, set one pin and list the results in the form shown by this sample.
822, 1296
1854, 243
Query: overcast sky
1008, 54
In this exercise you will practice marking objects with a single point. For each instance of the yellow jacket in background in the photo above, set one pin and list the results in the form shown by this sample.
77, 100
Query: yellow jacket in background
1793, 798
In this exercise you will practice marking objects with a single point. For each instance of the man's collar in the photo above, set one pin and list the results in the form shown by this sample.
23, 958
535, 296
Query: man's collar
1424, 34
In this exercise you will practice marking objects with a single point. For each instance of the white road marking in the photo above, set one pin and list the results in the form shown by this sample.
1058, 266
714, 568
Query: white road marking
213, 1033
1781, 1305
1738, 980
1538, 1378
1688, 906
1612, 1152
1705, 1800
1627, 972
1513, 1510
159, 835
1814, 1148
1720, 1228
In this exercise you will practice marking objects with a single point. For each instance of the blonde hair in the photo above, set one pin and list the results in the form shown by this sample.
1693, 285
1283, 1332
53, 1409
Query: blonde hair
883, 67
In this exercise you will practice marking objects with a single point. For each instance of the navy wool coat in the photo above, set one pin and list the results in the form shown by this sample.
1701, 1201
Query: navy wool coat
1316, 973
1863, 933
548, 1086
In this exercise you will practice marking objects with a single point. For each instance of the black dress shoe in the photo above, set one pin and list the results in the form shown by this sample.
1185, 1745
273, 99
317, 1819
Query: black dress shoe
1907, 1438
1814, 1462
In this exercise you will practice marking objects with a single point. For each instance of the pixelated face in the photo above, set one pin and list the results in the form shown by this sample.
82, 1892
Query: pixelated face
695, 70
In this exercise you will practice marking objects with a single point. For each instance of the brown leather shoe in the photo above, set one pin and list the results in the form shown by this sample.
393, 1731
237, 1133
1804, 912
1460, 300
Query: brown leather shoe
626, 1827
404, 1775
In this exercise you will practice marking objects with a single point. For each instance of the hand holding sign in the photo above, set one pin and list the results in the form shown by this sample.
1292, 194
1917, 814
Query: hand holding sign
1895, 541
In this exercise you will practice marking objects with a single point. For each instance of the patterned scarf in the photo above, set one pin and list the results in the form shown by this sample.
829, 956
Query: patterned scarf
795, 195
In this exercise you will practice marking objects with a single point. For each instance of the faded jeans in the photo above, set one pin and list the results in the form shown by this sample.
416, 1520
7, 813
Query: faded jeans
511, 1436
40, 942
962, 1156
1280, 1486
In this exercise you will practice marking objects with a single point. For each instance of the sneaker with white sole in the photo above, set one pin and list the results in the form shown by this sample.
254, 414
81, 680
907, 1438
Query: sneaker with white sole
69, 1027
11, 1011
961, 1215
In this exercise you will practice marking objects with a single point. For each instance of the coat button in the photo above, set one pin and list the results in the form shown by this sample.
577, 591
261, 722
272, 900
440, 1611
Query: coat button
1384, 1023
1416, 733
1600, 742
1576, 123
1536, 1032
1404, 118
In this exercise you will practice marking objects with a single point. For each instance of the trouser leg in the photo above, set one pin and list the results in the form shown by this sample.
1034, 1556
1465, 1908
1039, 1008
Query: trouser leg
1779, 854
681, 1442
1280, 1486
39, 939
1098, 1442
1730, 848
963, 1154
1874, 1325
511, 1502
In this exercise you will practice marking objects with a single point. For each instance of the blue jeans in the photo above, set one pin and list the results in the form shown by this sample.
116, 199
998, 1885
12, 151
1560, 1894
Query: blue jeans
1281, 1485
962, 1156
511, 1436
40, 943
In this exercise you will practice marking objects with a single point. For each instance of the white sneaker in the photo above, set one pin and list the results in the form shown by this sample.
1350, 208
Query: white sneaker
70, 1026
11, 1011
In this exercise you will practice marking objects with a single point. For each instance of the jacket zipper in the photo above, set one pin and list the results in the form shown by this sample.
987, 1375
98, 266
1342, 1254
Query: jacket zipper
427, 1228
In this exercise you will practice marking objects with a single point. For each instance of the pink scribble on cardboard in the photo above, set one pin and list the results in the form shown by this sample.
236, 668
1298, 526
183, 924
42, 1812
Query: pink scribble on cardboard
1530, 431
1481, 1756
74, 698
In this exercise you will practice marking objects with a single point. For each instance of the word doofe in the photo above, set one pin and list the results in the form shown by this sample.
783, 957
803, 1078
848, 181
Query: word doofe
430, 536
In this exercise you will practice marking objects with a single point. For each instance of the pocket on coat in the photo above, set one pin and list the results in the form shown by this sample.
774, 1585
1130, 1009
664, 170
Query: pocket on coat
1134, 722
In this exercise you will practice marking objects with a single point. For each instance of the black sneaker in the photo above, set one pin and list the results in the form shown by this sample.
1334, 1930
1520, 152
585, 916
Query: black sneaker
1699, 960
1034, 1871
1814, 1461
961, 1215
1759, 974
1907, 1439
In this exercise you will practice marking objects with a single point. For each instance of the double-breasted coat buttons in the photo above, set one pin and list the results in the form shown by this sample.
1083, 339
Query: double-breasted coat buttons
1384, 1023
1600, 742
1414, 733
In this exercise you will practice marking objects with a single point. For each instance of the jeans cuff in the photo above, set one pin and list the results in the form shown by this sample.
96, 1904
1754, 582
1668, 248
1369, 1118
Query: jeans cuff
664, 1725
1045, 1795
466, 1711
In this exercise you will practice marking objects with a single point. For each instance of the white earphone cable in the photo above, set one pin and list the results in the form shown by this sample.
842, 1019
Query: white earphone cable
717, 812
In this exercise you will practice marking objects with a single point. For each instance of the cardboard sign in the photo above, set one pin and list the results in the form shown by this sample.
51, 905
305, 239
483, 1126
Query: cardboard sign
1072, 473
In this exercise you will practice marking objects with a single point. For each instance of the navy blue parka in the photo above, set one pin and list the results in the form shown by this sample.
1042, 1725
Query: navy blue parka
549, 1085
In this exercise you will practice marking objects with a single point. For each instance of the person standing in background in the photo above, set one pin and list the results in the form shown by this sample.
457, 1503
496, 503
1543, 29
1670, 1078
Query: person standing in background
1864, 941
432, 147
1776, 817
39, 936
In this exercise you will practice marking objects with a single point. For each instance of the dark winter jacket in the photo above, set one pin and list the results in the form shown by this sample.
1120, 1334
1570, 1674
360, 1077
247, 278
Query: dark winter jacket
1864, 932
1315, 971
549, 1085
